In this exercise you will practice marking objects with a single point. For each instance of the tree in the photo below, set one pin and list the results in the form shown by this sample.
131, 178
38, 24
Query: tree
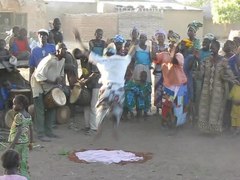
199, 3
226, 11
223, 11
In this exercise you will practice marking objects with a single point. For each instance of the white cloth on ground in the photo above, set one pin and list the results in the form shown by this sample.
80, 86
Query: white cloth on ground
107, 157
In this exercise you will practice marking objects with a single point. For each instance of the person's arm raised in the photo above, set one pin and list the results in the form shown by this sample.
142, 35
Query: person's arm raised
132, 50
77, 36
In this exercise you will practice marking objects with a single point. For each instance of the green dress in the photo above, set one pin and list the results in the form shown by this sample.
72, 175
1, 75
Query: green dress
20, 121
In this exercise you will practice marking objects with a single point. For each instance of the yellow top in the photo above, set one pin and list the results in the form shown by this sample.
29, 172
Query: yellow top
235, 95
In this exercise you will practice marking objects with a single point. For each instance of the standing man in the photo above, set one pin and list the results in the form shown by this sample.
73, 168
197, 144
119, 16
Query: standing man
97, 46
55, 35
38, 53
48, 75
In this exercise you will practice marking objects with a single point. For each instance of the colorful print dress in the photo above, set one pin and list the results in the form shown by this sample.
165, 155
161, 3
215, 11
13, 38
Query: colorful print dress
213, 95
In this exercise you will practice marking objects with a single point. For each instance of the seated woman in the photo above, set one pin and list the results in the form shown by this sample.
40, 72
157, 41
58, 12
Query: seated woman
20, 47
5, 57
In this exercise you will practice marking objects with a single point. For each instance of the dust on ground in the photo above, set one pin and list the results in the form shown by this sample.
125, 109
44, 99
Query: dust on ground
182, 154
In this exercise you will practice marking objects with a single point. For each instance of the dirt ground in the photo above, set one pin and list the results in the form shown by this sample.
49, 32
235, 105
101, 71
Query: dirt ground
184, 154
177, 155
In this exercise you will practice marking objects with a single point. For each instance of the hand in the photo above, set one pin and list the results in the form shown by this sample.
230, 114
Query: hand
59, 80
12, 146
30, 146
82, 82
153, 40
77, 35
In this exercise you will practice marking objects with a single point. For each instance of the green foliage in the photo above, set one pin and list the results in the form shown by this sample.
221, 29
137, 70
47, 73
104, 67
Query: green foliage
223, 11
63, 152
226, 11
198, 3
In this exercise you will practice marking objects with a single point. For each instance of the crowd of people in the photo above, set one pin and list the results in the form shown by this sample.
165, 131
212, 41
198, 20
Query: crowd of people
191, 82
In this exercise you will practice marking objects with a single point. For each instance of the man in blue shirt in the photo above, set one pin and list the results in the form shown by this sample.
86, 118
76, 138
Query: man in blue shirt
38, 53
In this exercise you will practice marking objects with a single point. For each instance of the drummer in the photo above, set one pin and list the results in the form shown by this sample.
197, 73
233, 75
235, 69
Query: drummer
48, 74
86, 79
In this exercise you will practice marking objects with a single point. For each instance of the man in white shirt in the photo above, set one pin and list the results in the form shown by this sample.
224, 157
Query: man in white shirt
48, 74
112, 68
111, 95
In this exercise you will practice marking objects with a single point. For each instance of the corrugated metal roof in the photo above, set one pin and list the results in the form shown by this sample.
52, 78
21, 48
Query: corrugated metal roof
162, 4
83, 1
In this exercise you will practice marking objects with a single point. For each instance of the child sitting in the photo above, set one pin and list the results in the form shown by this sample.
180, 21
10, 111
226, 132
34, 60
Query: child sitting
144, 95
10, 162
5, 56
21, 136
20, 47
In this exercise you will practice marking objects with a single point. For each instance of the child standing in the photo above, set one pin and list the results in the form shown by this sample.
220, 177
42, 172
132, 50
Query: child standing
10, 162
21, 136
235, 112
144, 95
130, 91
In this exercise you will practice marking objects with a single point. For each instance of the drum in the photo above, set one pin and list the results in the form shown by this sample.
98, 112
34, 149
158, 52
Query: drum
63, 114
80, 95
9, 117
26, 92
31, 110
54, 98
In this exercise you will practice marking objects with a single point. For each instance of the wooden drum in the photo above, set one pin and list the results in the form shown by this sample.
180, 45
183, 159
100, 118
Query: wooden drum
80, 95
63, 114
31, 110
26, 92
54, 98
9, 117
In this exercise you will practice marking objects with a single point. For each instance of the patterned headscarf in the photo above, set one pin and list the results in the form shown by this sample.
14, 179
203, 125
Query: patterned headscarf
195, 25
209, 36
118, 39
173, 37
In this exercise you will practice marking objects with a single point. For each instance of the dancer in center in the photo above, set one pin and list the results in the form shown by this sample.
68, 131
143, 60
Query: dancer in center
111, 95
